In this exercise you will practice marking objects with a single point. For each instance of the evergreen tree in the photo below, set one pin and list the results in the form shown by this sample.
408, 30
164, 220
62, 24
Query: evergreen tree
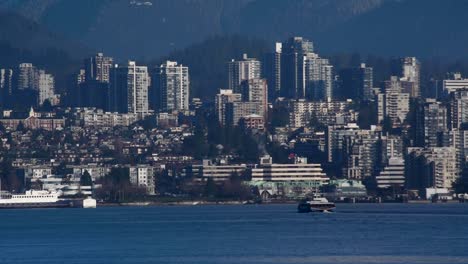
86, 179
211, 189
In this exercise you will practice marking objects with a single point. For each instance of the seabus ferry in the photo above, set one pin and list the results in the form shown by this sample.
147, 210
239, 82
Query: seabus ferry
318, 203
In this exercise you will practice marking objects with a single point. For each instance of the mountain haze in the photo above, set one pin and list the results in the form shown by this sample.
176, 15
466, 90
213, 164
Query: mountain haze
23, 40
145, 29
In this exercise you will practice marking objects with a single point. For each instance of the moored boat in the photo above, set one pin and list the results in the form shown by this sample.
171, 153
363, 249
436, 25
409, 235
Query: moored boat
41, 199
31, 199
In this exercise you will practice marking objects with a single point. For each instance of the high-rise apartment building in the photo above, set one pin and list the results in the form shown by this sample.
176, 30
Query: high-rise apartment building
319, 78
353, 149
393, 103
170, 87
6, 85
357, 83
98, 68
243, 70
436, 132
222, 98
361, 155
434, 167
256, 90
458, 108
27, 76
293, 70
272, 71
46, 87
409, 71
81, 76
129, 89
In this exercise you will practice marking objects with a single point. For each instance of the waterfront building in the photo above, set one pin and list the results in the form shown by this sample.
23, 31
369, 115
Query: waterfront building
300, 170
393, 175
294, 180
218, 172
143, 176
96, 171
344, 188
170, 90
68, 185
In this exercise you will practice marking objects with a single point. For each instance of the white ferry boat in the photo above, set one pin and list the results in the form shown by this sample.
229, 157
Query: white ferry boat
318, 203
31, 199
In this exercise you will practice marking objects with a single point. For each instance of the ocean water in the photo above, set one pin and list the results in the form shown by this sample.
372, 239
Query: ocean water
355, 233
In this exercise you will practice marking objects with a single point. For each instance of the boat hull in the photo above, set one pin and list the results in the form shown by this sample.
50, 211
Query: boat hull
60, 204
72, 203
309, 208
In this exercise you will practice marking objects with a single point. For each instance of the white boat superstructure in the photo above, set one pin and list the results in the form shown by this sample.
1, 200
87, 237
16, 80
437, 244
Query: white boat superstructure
29, 197
318, 203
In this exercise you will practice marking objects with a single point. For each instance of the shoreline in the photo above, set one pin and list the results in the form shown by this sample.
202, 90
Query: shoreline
211, 203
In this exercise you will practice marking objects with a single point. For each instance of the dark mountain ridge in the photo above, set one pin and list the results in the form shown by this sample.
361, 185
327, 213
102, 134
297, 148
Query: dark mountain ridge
146, 29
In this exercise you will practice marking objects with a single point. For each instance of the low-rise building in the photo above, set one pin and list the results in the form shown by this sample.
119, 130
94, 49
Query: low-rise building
255, 122
93, 117
143, 176
218, 172
34, 121
300, 170
295, 180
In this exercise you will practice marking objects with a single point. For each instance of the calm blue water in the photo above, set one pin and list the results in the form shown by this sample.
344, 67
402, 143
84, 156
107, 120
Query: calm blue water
363, 233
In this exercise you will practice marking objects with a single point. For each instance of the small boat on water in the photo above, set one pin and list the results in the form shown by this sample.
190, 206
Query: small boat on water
318, 203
